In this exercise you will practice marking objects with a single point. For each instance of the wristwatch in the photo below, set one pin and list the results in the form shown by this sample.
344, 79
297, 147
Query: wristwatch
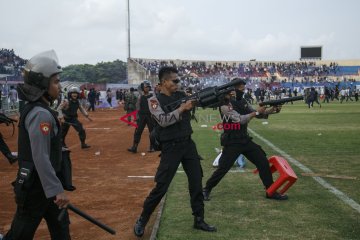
257, 113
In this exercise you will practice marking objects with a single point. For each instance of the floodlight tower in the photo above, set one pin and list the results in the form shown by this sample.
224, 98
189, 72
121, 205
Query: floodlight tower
128, 27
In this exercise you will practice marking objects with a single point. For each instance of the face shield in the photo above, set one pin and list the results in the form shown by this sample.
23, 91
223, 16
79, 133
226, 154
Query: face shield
37, 73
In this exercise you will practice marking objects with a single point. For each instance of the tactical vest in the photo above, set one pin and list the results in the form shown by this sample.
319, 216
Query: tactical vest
144, 106
24, 151
180, 129
71, 111
236, 135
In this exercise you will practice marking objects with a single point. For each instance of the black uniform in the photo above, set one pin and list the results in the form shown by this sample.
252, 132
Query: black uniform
92, 99
71, 119
177, 147
237, 141
144, 119
36, 184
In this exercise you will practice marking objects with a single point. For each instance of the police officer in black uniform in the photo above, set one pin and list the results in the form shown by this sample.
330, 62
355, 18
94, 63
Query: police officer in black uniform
237, 141
144, 117
177, 147
68, 114
38, 191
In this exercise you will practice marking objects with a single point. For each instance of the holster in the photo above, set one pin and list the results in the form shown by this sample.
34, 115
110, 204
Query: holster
154, 138
224, 139
24, 181
65, 174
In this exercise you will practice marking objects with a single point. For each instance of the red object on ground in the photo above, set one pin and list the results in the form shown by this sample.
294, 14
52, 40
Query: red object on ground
287, 176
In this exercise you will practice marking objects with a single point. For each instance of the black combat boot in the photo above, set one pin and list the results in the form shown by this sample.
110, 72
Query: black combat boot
200, 224
140, 224
11, 158
133, 149
277, 196
84, 145
206, 194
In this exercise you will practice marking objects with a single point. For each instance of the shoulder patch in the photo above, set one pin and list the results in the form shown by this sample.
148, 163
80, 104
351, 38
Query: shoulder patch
230, 108
45, 128
154, 103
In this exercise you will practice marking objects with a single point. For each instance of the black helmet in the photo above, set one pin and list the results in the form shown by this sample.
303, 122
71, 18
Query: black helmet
37, 73
145, 84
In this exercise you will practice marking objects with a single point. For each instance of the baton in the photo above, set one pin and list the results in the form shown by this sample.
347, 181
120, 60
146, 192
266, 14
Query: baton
86, 216
73, 124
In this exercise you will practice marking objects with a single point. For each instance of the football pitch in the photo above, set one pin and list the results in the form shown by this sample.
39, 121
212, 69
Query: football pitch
325, 144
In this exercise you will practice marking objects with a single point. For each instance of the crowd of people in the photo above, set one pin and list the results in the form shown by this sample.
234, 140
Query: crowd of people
245, 69
10, 63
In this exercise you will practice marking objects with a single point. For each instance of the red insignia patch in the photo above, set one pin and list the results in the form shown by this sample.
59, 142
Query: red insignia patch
45, 128
154, 104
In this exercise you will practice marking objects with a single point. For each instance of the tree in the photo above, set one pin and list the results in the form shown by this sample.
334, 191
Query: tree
108, 72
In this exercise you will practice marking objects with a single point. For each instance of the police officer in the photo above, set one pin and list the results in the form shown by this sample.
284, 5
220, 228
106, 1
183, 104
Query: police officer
130, 102
6, 151
38, 191
68, 115
177, 147
144, 117
236, 141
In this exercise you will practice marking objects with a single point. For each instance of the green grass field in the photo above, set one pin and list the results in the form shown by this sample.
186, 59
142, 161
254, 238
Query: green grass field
326, 140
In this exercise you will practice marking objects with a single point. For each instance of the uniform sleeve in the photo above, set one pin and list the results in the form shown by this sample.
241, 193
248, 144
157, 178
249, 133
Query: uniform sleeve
40, 124
61, 107
162, 118
260, 116
83, 111
229, 113
138, 103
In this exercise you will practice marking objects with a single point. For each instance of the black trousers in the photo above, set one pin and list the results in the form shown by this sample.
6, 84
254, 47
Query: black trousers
231, 152
143, 120
74, 122
92, 106
28, 217
172, 154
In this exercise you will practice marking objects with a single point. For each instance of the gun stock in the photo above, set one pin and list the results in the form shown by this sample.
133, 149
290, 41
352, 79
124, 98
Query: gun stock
281, 101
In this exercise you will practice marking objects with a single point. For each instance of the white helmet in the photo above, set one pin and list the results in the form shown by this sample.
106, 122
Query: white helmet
46, 63
74, 90
38, 71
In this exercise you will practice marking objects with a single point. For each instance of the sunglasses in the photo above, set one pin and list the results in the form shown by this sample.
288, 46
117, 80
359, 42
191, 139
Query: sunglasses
176, 81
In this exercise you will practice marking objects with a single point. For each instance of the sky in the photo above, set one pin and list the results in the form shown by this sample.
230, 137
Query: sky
91, 31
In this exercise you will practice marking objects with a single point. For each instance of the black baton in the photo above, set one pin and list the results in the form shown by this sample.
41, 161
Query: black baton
87, 217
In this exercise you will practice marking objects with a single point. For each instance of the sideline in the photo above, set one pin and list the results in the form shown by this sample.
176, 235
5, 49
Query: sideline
342, 196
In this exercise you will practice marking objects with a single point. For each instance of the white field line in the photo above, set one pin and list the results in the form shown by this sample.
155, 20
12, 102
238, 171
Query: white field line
342, 196
140, 176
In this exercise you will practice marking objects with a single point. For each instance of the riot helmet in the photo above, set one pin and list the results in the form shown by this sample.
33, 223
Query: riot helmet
37, 74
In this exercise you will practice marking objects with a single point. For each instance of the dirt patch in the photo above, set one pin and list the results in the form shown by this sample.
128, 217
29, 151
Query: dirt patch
100, 174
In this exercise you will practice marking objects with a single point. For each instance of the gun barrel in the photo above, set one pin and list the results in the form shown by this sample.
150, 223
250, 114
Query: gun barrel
233, 83
281, 101
87, 217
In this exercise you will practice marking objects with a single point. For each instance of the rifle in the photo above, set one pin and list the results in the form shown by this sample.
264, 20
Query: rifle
87, 217
207, 97
280, 101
